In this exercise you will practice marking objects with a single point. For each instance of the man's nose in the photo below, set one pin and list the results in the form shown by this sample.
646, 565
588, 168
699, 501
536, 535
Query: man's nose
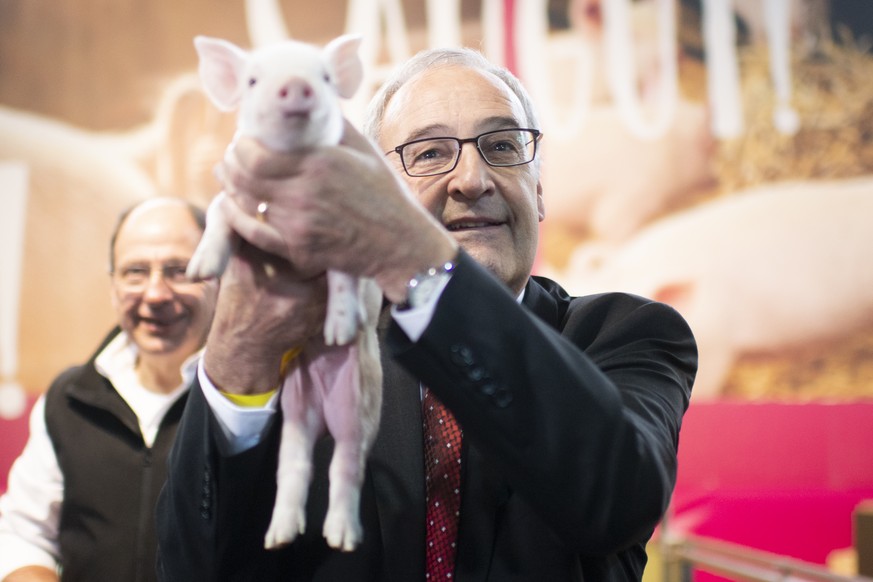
471, 176
157, 287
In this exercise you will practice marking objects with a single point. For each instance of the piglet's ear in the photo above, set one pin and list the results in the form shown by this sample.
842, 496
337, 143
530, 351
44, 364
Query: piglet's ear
221, 65
345, 63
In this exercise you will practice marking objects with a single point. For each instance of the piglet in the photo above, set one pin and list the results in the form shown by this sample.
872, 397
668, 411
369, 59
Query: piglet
288, 98
765, 271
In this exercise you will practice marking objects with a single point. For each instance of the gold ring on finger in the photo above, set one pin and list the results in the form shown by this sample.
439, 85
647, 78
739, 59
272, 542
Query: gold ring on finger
262, 211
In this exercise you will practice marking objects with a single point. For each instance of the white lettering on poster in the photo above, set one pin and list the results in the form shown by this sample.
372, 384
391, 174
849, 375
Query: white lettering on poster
383, 24
723, 71
622, 70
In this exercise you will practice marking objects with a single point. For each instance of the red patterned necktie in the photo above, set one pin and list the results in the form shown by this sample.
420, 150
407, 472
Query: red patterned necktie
442, 458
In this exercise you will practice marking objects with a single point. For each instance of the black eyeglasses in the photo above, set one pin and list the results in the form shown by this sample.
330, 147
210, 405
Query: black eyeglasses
135, 277
502, 148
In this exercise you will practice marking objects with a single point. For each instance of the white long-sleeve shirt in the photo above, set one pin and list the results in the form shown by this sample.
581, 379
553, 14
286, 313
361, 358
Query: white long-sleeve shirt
31, 507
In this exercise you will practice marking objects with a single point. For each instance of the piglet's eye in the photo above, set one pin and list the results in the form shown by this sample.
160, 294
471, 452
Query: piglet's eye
252, 82
326, 78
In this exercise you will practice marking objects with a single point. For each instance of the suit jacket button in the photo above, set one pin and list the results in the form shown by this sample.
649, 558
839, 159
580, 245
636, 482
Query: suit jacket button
488, 387
476, 374
502, 397
461, 355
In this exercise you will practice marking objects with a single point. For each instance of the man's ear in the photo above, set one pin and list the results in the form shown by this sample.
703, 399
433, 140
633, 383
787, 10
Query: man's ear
222, 64
541, 207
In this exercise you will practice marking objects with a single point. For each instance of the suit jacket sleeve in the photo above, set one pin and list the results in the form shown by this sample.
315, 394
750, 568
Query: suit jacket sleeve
213, 509
576, 401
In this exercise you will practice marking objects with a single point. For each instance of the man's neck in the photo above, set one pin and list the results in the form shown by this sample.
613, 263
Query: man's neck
161, 374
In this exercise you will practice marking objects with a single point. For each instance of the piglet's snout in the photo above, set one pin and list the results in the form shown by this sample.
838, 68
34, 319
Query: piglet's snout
296, 97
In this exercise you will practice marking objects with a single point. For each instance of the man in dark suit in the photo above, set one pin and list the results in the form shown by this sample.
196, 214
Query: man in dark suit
570, 408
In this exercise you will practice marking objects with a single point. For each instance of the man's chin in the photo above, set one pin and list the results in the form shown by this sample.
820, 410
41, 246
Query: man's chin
157, 345
487, 258
505, 268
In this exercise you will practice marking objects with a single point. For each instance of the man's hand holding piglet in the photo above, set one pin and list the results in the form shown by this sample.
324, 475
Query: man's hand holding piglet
341, 208
265, 307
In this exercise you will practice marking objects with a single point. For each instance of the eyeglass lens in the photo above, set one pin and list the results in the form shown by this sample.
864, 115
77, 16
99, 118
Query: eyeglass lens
138, 275
511, 147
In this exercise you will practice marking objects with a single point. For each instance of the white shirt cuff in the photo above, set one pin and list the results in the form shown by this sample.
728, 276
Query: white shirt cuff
414, 321
242, 426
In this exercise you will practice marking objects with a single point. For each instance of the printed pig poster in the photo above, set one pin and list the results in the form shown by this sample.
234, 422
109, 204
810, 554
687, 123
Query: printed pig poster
714, 155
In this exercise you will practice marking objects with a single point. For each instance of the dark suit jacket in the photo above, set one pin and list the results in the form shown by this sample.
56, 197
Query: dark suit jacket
570, 407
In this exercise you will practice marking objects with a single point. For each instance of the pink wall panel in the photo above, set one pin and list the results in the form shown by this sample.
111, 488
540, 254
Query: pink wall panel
783, 478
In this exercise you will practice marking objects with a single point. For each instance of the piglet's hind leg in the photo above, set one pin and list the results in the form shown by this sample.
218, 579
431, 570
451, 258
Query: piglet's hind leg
352, 410
342, 525
301, 426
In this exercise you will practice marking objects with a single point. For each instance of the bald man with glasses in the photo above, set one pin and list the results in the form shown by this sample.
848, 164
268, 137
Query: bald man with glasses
81, 497
526, 435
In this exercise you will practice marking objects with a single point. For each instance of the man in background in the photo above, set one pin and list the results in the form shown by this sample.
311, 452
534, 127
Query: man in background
81, 497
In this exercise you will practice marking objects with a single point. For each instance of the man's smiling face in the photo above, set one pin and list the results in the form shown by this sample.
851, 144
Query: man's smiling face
162, 312
493, 213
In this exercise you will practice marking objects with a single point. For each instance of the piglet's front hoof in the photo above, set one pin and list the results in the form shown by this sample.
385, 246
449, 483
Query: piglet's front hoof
206, 265
340, 330
342, 531
284, 528
341, 323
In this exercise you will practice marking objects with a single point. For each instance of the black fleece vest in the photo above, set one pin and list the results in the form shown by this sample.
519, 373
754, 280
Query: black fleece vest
111, 479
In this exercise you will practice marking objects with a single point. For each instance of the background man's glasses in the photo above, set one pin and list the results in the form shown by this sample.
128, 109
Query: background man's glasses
439, 155
137, 276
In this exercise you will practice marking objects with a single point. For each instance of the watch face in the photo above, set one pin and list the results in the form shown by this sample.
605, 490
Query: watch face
424, 290
419, 294
423, 286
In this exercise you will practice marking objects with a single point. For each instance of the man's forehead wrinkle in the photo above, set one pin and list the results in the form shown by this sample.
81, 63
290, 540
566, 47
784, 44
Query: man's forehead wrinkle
419, 107
491, 123
430, 130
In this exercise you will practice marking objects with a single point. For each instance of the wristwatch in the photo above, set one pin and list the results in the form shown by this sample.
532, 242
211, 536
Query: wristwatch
421, 288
